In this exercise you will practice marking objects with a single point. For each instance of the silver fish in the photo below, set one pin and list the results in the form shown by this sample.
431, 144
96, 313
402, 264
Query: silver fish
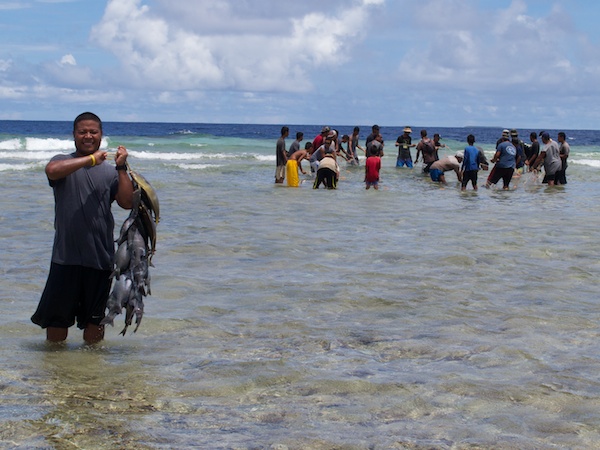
118, 298
122, 258
136, 246
137, 200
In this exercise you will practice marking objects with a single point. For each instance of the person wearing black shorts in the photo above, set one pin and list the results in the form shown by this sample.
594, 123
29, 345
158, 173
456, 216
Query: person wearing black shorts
84, 188
328, 172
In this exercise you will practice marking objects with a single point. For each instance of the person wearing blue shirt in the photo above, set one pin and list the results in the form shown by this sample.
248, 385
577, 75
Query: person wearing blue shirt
506, 160
470, 164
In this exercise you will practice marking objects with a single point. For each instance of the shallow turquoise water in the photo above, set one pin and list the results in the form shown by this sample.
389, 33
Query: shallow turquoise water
411, 317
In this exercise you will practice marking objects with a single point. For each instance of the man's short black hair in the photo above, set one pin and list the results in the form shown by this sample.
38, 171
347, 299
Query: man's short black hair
87, 116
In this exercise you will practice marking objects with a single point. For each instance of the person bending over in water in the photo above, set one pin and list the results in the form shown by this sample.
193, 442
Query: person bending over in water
294, 163
328, 172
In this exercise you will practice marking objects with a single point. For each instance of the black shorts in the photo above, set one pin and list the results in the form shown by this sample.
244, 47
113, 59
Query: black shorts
73, 292
469, 175
505, 173
326, 176
550, 177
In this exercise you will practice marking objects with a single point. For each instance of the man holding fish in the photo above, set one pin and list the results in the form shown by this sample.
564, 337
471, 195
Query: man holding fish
83, 252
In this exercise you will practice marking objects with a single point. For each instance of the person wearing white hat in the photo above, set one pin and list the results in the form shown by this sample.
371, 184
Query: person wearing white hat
404, 143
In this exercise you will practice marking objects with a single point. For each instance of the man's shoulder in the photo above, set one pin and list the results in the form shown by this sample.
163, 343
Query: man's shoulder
62, 156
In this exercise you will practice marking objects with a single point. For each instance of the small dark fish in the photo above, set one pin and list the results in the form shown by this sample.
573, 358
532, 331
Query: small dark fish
149, 226
128, 317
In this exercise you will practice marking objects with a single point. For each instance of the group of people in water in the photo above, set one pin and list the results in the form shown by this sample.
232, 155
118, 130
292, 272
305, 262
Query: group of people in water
512, 157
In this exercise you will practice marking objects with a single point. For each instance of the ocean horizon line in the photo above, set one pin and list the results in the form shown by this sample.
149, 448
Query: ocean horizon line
363, 127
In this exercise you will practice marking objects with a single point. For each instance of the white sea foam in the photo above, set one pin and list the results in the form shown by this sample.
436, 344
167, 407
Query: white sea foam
11, 144
173, 156
28, 155
265, 157
586, 162
17, 167
42, 144
198, 166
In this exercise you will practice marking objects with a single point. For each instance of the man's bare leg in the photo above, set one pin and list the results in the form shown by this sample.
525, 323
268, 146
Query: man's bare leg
93, 333
56, 334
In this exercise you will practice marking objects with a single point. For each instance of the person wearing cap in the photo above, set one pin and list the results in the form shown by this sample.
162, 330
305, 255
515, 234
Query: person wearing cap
319, 153
319, 138
471, 163
437, 169
404, 143
550, 156
506, 161
328, 172
281, 155
505, 136
437, 144
333, 135
561, 176
520, 146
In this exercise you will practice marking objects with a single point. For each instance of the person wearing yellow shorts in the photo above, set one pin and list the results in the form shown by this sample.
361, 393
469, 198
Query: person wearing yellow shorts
292, 166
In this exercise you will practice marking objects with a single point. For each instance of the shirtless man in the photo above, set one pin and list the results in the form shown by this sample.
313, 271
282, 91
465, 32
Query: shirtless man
426, 147
437, 169
294, 163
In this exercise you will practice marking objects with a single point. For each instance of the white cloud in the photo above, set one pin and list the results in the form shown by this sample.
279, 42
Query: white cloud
5, 64
477, 49
245, 52
68, 60
7, 6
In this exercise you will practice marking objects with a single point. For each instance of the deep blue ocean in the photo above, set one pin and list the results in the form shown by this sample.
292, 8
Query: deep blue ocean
417, 316
484, 135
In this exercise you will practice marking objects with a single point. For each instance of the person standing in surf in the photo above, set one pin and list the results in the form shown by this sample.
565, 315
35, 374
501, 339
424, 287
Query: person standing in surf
353, 144
506, 161
295, 146
404, 143
372, 168
550, 156
281, 155
427, 148
84, 188
532, 151
561, 175
470, 164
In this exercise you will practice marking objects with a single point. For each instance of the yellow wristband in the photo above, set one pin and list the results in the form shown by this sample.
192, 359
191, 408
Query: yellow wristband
93, 160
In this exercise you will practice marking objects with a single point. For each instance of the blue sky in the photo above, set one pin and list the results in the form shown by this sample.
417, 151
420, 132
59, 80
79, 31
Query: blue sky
519, 63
